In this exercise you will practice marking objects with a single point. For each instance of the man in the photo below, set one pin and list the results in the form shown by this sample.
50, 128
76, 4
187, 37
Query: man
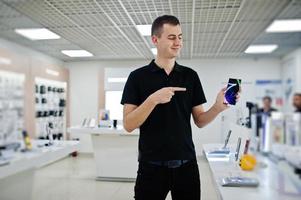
159, 99
267, 106
264, 112
297, 102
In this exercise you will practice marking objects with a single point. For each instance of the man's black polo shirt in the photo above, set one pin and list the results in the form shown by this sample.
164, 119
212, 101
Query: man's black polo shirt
166, 133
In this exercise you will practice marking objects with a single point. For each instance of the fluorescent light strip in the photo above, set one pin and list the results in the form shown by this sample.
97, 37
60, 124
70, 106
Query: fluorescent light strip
37, 34
257, 49
154, 50
281, 26
117, 80
52, 72
77, 53
145, 30
5, 61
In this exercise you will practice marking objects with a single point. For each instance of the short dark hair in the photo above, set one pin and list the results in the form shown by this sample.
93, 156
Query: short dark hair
267, 98
160, 21
297, 94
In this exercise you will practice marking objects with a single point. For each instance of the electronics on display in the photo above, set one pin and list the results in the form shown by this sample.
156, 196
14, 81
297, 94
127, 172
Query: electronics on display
239, 181
237, 148
11, 106
50, 108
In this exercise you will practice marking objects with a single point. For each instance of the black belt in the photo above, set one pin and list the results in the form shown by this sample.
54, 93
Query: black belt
169, 163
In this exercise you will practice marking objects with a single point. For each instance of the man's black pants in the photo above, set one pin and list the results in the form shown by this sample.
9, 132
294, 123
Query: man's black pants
154, 182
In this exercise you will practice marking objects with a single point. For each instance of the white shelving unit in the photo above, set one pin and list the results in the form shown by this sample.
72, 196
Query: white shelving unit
11, 105
50, 97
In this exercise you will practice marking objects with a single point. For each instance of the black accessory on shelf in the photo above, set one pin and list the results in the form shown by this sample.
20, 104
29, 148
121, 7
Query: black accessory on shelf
51, 113
54, 136
60, 136
37, 88
62, 103
39, 114
42, 89
41, 138
50, 124
45, 114
44, 100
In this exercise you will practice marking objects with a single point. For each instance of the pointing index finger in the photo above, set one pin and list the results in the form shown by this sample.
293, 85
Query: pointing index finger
178, 89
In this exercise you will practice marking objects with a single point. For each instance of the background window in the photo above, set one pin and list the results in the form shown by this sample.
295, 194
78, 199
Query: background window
113, 99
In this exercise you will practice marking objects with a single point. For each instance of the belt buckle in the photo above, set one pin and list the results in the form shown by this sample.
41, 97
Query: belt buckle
174, 163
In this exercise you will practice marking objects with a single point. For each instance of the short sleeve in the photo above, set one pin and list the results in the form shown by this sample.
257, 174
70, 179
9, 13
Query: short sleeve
130, 93
198, 92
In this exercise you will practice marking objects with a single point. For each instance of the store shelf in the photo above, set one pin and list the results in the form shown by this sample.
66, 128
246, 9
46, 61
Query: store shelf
274, 182
39, 156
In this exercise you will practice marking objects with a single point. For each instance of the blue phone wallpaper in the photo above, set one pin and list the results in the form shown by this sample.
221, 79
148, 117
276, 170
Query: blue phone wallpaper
232, 90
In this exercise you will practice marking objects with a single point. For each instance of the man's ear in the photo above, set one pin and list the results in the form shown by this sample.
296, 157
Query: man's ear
154, 39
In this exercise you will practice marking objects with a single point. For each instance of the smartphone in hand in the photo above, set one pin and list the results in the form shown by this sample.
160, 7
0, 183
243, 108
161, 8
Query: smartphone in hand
232, 90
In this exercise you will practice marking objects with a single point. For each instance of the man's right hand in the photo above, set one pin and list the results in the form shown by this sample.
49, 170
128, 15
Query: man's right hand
165, 94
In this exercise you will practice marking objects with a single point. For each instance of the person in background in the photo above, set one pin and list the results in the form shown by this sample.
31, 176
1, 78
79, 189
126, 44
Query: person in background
160, 99
297, 102
267, 106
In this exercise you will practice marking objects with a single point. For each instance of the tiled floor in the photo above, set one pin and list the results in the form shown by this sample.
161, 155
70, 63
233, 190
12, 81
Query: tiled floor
74, 179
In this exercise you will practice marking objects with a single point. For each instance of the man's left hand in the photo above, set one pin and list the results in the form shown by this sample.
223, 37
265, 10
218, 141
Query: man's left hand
220, 104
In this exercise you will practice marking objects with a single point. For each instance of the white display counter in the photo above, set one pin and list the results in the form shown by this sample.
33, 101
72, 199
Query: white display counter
16, 177
115, 152
277, 180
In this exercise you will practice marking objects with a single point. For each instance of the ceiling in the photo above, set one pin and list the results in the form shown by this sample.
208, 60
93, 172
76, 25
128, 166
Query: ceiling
211, 28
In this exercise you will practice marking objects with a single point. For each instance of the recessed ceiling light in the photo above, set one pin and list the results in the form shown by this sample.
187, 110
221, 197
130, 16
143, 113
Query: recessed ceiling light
154, 50
77, 53
278, 26
37, 34
145, 30
254, 49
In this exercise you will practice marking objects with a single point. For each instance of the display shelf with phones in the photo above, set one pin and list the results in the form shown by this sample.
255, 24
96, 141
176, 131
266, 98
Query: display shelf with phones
11, 106
50, 99
268, 179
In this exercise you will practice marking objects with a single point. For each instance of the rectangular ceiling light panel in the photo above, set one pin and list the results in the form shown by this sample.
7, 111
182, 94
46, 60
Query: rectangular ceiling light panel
37, 34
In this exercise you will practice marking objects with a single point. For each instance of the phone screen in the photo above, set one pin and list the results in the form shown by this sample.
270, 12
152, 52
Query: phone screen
232, 90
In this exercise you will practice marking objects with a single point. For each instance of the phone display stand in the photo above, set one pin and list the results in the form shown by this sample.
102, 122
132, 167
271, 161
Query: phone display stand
221, 152
239, 181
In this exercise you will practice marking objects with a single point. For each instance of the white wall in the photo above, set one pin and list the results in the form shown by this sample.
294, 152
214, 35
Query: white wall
291, 70
213, 73
28, 52
84, 89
